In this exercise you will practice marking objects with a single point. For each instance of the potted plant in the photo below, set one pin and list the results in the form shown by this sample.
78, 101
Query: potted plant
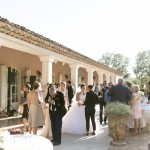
118, 114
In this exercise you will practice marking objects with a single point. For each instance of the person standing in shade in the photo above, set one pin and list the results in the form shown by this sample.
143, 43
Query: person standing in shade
57, 103
90, 101
26, 90
102, 102
70, 92
106, 97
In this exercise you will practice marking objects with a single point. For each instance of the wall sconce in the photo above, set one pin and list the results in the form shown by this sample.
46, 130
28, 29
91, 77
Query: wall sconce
39, 74
66, 76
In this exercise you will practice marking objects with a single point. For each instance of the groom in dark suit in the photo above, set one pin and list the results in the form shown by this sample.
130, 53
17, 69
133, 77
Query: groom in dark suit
57, 105
90, 101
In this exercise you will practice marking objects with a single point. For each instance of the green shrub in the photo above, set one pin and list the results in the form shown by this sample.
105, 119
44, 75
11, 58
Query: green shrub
117, 109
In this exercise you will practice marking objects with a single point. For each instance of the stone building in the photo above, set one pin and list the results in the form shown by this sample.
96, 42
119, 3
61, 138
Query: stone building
25, 54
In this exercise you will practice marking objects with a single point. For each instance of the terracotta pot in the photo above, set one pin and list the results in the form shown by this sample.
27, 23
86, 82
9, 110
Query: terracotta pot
118, 127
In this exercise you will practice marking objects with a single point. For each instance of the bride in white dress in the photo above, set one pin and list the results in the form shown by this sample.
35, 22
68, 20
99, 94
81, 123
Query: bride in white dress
74, 121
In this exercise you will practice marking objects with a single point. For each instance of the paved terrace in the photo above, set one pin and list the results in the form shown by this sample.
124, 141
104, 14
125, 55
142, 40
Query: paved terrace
101, 141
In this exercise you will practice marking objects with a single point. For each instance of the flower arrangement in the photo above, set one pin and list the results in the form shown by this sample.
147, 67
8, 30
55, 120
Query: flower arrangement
117, 109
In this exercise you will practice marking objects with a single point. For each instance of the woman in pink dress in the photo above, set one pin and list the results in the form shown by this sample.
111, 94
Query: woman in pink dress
136, 109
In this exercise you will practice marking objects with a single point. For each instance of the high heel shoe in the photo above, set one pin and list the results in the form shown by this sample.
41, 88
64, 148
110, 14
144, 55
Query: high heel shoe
93, 133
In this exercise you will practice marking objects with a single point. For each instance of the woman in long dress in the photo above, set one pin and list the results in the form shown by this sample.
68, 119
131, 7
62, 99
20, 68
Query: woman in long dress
136, 109
26, 90
36, 118
74, 120
45, 108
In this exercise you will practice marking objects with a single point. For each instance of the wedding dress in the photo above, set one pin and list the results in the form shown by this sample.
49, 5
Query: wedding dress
47, 127
74, 121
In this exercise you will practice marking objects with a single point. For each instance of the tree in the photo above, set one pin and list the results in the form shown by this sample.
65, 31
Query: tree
116, 61
142, 66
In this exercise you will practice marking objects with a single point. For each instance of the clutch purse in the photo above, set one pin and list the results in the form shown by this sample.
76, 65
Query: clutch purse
20, 109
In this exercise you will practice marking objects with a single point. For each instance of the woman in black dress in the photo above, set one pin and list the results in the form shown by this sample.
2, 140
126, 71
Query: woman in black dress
26, 89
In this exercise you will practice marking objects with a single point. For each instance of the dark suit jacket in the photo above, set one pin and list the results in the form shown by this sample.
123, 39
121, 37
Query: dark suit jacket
91, 99
70, 92
59, 101
119, 93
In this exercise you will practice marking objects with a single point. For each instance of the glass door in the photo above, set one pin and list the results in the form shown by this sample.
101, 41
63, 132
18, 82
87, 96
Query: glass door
15, 88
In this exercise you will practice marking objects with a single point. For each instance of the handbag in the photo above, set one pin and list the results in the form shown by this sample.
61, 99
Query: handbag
20, 109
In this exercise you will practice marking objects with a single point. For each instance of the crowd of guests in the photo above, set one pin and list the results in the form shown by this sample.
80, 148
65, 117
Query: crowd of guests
45, 106
126, 93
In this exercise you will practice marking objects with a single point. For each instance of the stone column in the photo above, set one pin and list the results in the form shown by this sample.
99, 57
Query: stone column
90, 75
107, 77
74, 75
114, 79
46, 69
3, 86
100, 77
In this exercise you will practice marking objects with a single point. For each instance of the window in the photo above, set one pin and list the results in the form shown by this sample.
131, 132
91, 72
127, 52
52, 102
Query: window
15, 86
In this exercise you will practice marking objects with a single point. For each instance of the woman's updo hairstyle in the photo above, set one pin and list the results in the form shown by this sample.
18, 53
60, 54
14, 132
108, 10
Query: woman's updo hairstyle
82, 85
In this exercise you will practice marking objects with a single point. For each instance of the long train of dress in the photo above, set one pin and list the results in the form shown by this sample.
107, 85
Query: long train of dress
74, 120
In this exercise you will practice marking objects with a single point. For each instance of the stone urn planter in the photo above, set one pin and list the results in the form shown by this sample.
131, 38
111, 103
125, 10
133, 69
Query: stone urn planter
118, 116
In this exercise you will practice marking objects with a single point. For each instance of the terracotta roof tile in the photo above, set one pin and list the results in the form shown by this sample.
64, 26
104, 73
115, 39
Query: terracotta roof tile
24, 34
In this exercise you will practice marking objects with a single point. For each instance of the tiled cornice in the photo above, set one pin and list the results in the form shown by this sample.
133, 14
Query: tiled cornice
24, 34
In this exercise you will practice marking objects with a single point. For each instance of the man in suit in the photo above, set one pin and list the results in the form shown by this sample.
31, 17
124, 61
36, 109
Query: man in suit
119, 93
57, 103
102, 102
90, 101
70, 92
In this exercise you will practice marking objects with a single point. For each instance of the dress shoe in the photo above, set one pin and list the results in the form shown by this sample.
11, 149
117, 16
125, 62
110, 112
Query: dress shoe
56, 143
93, 133
87, 133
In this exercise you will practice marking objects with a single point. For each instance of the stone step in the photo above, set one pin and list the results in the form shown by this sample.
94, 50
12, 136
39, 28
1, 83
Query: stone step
11, 127
8, 122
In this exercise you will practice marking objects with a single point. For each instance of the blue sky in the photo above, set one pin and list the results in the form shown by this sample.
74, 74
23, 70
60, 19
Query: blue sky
91, 27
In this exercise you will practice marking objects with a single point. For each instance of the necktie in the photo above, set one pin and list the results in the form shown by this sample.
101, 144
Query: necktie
53, 106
